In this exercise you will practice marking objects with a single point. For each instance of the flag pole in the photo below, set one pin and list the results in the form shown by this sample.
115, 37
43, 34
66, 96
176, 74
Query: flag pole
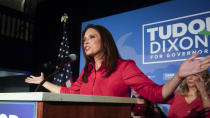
64, 19
64, 51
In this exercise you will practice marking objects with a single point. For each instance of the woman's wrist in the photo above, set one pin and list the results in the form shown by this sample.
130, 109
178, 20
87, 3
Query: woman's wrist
44, 83
204, 94
177, 77
205, 98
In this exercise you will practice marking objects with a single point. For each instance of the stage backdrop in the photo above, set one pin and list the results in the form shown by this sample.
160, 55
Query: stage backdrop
160, 37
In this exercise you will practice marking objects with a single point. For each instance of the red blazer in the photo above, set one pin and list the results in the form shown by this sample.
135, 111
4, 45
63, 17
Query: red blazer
126, 76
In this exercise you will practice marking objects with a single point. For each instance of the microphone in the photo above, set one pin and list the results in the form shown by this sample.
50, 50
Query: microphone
70, 58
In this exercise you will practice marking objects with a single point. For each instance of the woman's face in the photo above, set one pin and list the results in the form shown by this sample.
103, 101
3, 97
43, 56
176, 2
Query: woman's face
92, 42
192, 79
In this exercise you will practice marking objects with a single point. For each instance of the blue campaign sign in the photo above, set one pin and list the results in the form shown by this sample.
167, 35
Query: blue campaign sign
13, 109
176, 39
160, 37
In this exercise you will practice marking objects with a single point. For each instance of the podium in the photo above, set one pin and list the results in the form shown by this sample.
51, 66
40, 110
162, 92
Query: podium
53, 105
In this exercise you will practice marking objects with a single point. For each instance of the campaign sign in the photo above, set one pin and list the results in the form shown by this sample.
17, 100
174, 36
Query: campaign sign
13, 109
176, 39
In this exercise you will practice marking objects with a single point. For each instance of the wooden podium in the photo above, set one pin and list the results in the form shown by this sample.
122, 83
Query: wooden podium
51, 105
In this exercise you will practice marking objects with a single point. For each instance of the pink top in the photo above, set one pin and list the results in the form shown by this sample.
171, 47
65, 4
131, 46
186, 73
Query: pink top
139, 110
126, 76
179, 108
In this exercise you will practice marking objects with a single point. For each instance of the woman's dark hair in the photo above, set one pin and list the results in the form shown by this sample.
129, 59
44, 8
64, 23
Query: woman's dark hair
108, 47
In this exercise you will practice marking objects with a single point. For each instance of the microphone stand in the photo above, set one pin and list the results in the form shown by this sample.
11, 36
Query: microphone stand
47, 78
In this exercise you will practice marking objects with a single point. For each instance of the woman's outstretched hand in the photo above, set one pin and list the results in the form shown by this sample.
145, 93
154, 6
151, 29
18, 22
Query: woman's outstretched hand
35, 80
193, 66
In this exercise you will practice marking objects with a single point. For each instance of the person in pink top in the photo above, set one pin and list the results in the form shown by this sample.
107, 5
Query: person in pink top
145, 109
107, 74
192, 99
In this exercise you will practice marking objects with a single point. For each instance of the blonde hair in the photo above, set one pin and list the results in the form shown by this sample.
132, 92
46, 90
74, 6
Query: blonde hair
183, 90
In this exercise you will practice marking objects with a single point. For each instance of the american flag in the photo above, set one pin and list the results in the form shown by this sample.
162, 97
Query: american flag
65, 75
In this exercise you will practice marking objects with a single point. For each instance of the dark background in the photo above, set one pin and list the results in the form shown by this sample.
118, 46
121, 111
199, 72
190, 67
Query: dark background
47, 30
